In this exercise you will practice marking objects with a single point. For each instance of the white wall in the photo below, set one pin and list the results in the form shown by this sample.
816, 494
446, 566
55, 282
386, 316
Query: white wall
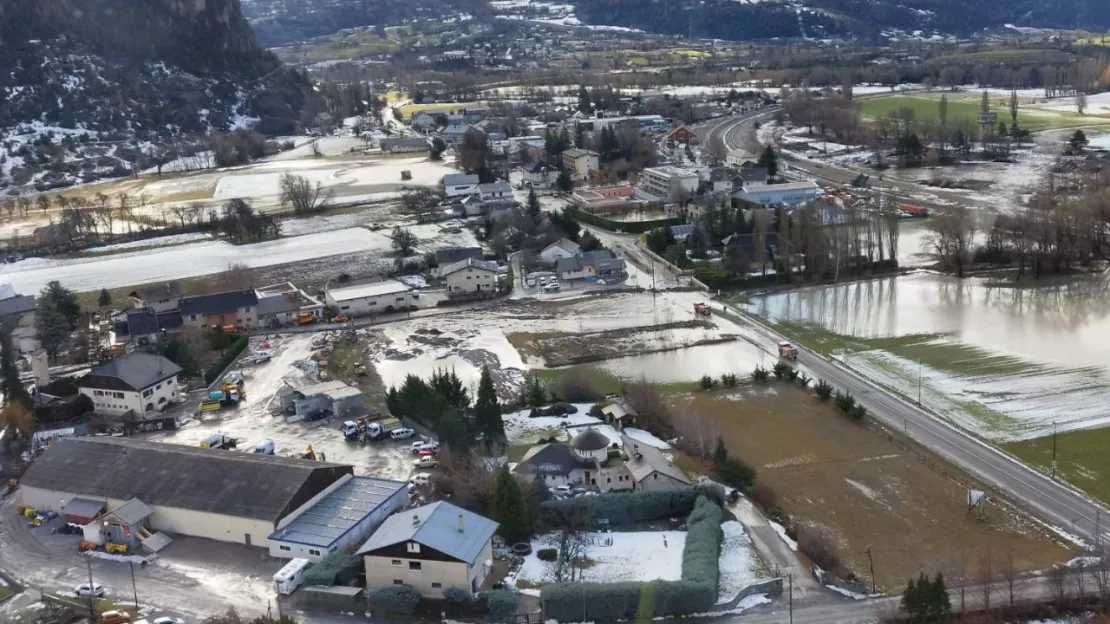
370, 305
114, 402
471, 279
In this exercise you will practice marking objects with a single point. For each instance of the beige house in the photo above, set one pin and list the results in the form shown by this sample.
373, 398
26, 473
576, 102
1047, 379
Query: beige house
211, 493
470, 277
580, 163
430, 548
650, 469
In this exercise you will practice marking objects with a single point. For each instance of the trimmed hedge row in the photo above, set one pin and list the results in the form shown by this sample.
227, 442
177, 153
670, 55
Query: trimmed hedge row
695, 593
395, 600
237, 346
632, 507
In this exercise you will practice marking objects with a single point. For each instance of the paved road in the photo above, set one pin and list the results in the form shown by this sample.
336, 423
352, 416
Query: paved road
1052, 501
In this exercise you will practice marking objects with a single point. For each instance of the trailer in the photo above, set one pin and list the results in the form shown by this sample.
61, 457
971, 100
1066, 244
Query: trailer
219, 441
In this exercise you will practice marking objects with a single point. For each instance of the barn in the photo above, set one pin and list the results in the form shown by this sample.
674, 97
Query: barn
211, 493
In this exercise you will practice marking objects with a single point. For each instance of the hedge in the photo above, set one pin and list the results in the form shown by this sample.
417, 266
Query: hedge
630, 227
237, 346
695, 593
501, 604
631, 507
335, 568
394, 600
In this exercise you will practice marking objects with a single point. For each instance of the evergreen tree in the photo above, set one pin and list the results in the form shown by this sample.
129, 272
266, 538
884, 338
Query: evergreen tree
12, 386
769, 160
720, 453
487, 409
452, 432
62, 299
105, 298
534, 209
534, 394
585, 106
564, 182
509, 508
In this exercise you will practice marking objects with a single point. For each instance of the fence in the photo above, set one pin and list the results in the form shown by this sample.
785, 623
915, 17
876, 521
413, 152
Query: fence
772, 587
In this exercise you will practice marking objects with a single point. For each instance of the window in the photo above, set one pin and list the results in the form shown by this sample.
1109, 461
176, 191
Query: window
344, 307
415, 566
313, 552
147, 393
655, 476
413, 547
193, 317
437, 585
285, 548
395, 562
398, 582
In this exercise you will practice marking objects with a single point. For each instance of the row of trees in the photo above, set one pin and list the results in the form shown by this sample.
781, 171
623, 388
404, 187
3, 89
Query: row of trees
444, 404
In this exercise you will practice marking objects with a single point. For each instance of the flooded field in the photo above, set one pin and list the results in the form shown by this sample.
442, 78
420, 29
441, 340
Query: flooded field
690, 364
1004, 362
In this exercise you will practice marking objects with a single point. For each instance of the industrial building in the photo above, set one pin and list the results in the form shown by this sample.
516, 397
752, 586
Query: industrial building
313, 401
787, 194
372, 298
340, 516
211, 493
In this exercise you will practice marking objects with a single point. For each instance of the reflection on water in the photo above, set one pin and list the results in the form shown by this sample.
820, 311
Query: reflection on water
690, 364
1065, 324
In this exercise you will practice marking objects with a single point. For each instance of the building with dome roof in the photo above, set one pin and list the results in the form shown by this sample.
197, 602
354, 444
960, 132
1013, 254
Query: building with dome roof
592, 444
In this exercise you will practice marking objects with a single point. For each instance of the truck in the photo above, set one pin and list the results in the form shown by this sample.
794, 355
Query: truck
788, 351
219, 399
219, 440
305, 318
701, 308
382, 428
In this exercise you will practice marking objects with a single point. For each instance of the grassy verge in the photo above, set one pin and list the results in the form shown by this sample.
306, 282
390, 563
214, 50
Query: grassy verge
1081, 459
603, 381
967, 109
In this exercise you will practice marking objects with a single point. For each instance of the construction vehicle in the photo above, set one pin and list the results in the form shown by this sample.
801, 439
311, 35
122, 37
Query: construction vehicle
308, 453
305, 318
85, 545
113, 547
701, 308
382, 428
861, 181
233, 379
219, 440
219, 399
353, 430
788, 351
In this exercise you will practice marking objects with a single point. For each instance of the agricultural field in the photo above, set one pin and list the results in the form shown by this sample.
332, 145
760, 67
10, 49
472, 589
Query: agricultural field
1081, 459
866, 490
965, 107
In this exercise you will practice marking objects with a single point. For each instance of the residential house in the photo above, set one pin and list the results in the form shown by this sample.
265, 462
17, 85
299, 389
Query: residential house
144, 326
158, 297
446, 256
580, 163
721, 180
787, 194
281, 305
460, 184
423, 121
137, 383
681, 134
649, 468
369, 298
589, 460
405, 145
234, 308
751, 174
748, 246
474, 115
495, 191
430, 548
52, 234
470, 278
469, 206
600, 264
454, 133
18, 312
538, 174
562, 248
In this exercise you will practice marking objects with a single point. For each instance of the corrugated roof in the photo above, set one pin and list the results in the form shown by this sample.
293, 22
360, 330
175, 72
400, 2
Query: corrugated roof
219, 303
132, 512
486, 265
83, 508
245, 485
436, 526
17, 305
375, 289
337, 513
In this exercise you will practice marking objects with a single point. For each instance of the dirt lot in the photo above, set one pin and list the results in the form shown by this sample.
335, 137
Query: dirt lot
559, 348
868, 490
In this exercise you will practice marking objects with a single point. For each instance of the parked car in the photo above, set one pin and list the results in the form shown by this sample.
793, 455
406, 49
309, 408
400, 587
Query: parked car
426, 461
530, 282
342, 318
402, 433
420, 479
552, 287
429, 451
418, 446
561, 490
168, 620
114, 617
84, 590
415, 293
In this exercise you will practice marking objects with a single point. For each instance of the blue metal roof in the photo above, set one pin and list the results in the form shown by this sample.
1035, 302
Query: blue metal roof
436, 526
339, 512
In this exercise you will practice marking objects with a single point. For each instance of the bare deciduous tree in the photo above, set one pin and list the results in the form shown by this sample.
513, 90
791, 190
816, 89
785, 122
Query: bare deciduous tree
1057, 580
302, 195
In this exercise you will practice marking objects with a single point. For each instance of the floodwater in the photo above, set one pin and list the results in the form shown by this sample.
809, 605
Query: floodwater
691, 363
181, 261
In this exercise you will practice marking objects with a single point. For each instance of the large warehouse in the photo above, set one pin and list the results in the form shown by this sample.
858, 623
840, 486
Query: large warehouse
216, 494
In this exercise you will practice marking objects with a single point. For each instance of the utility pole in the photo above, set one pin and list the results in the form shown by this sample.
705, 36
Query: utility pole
1054, 449
872, 563
134, 589
918, 386
92, 592
791, 579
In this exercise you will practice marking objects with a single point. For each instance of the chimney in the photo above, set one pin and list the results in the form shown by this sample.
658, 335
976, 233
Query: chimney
415, 519
461, 527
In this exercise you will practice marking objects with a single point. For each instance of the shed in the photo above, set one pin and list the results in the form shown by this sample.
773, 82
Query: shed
311, 401
82, 510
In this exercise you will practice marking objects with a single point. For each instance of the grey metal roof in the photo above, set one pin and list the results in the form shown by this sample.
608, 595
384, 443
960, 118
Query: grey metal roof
83, 507
219, 303
574, 152
496, 187
678, 231
245, 485
276, 304
169, 290
448, 255
486, 265
134, 371
17, 305
132, 512
460, 179
553, 459
644, 459
590, 440
456, 129
141, 322
337, 513
436, 526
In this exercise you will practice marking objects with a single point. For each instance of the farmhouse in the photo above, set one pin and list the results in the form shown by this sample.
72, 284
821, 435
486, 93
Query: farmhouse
430, 548
210, 493
649, 468
337, 517
459, 184
562, 248
137, 383
372, 298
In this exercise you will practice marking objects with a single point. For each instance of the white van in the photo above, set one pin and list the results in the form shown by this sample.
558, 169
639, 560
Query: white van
420, 479
401, 434
290, 577
265, 447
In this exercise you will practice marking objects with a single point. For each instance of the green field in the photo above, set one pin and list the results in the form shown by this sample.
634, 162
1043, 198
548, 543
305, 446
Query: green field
1081, 459
964, 107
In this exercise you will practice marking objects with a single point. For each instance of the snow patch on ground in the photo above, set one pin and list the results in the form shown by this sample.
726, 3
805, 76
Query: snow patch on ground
781, 530
160, 241
618, 557
646, 437
738, 563
520, 428
847, 593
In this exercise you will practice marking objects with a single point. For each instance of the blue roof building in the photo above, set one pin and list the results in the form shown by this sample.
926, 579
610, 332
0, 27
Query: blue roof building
344, 514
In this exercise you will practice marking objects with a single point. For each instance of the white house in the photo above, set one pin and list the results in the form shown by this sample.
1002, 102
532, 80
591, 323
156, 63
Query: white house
372, 298
669, 182
495, 190
562, 248
459, 184
470, 277
138, 382
430, 548
581, 163
583, 462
